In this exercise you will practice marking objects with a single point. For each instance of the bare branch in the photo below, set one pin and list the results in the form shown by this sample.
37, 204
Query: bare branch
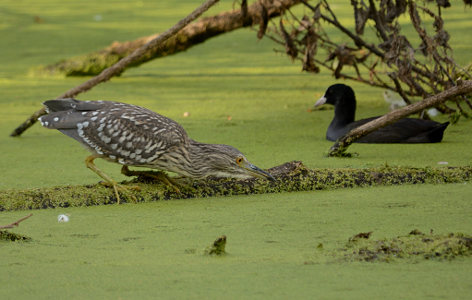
390, 62
399, 89
378, 23
357, 40
16, 223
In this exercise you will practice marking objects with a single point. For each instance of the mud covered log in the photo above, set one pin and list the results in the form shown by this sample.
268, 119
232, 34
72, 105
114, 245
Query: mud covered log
194, 34
290, 177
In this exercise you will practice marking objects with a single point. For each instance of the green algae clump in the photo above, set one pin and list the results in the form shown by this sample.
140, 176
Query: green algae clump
12, 237
415, 245
218, 247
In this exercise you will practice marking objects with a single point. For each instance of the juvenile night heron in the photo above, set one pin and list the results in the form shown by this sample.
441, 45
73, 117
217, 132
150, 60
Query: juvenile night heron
135, 136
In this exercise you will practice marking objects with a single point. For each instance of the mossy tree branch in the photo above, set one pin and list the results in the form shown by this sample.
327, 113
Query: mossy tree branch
292, 176
196, 33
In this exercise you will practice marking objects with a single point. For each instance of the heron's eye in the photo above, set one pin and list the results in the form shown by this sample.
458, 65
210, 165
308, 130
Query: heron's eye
239, 160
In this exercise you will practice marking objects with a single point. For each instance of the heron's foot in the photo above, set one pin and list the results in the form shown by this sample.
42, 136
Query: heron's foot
109, 181
155, 175
125, 190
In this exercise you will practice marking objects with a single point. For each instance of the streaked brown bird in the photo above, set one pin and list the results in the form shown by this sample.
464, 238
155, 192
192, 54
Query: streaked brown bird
135, 136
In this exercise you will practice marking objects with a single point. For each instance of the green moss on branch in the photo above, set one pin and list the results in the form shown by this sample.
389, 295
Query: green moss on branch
292, 176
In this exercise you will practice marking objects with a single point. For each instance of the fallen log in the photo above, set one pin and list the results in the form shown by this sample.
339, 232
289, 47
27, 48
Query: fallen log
194, 34
290, 177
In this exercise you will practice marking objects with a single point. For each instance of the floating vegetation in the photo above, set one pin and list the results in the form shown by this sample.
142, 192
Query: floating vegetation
218, 247
12, 237
415, 245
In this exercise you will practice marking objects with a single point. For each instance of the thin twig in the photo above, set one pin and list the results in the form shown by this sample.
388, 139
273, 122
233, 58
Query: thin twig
119, 67
16, 223
378, 22
357, 40
400, 90
426, 39
464, 98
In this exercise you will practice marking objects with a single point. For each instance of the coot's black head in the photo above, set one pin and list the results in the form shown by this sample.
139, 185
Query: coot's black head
344, 101
337, 94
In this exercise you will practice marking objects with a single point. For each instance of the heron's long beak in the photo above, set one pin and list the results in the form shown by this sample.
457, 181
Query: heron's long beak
256, 172
320, 101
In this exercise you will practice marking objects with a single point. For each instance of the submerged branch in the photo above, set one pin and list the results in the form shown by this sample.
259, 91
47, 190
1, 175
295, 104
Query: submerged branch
16, 223
292, 176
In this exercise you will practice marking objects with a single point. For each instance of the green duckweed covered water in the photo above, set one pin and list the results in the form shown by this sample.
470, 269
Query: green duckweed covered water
156, 250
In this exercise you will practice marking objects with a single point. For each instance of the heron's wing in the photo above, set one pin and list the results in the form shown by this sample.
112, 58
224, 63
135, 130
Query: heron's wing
73, 104
115, 130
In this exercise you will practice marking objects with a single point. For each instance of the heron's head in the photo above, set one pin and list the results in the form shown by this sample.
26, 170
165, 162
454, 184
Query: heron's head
225, 161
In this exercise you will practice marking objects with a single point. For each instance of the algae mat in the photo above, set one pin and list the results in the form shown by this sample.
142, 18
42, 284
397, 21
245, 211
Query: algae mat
156, 250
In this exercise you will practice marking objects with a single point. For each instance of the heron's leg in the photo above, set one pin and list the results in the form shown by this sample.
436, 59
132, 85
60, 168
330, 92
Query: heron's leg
157, 175
109, 181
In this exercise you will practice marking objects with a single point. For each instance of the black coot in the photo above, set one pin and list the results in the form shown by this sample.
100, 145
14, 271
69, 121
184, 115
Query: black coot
403, 131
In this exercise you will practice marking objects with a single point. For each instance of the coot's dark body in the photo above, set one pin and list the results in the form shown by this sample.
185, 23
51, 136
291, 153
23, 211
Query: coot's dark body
406, 131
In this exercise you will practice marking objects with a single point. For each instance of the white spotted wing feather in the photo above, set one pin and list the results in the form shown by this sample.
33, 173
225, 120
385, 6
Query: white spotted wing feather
128, 134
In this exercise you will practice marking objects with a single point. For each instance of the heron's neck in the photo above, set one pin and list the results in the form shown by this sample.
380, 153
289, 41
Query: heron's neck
197, 158
198, 151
